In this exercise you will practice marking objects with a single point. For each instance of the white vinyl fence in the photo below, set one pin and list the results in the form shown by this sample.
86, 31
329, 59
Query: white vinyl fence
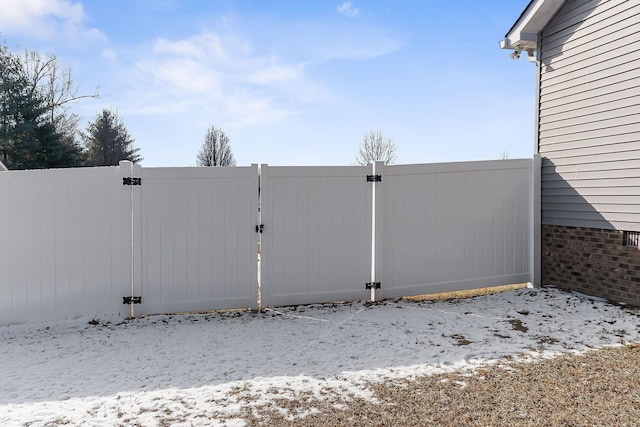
80, 242
64, 243
454, 226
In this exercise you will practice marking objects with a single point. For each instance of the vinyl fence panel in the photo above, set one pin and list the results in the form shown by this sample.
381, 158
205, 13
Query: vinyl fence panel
453, 226
317, 234
65, 243
198, 239
67, 236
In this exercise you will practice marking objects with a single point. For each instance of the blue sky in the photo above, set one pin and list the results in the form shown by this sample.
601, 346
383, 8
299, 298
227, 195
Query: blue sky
293, 82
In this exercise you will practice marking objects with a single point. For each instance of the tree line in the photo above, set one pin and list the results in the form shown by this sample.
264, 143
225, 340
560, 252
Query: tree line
38, 129
216, 149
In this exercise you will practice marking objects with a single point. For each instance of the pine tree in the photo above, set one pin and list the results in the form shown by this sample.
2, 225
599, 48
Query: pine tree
28, 139
108, 141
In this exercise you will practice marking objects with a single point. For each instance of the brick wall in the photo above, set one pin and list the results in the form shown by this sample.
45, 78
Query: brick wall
591, 261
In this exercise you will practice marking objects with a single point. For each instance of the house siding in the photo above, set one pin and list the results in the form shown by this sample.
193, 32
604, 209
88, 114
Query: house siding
589, 115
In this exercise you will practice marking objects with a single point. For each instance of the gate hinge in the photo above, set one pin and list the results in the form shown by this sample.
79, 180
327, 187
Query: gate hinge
374, 178
372, 285
131, 181
132, 300
259, 228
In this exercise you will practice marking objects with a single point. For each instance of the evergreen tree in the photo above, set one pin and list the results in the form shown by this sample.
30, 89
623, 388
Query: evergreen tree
28, 139
108, 141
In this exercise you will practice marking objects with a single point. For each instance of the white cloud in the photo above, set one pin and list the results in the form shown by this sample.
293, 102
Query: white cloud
276, 74
109, 55
347, 9
46, 18
206, 45
184, 74
244, 80
222, 76
316, 42
359, 47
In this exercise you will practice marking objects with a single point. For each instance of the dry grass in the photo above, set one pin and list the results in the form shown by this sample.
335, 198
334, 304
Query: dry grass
444, 296
597, 388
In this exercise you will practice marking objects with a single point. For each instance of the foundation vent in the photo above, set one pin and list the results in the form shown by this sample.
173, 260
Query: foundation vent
631, 238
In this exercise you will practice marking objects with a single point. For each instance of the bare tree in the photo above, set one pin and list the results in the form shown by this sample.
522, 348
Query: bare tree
55, 86
36, 128
215, 150
375, 147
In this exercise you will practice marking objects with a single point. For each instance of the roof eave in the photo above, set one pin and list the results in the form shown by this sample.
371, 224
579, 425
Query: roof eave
523, 35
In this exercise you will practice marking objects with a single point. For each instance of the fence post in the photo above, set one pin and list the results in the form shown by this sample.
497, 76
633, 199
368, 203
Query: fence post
373, 235
257, 208
376, 231
133, 172
536, 214
263, 218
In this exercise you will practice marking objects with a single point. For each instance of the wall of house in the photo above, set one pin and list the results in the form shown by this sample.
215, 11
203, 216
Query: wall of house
592, 261
589, 116
589, 141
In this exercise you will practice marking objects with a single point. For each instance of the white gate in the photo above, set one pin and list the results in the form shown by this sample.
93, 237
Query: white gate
453, 226
198, 245
317, 234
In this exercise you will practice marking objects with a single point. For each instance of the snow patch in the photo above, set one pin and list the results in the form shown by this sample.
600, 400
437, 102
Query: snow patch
215, 368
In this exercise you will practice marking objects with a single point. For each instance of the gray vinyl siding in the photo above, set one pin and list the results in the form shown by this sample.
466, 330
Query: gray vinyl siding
589, 115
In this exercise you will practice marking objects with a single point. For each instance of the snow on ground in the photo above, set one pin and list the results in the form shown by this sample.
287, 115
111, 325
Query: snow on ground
209, 368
